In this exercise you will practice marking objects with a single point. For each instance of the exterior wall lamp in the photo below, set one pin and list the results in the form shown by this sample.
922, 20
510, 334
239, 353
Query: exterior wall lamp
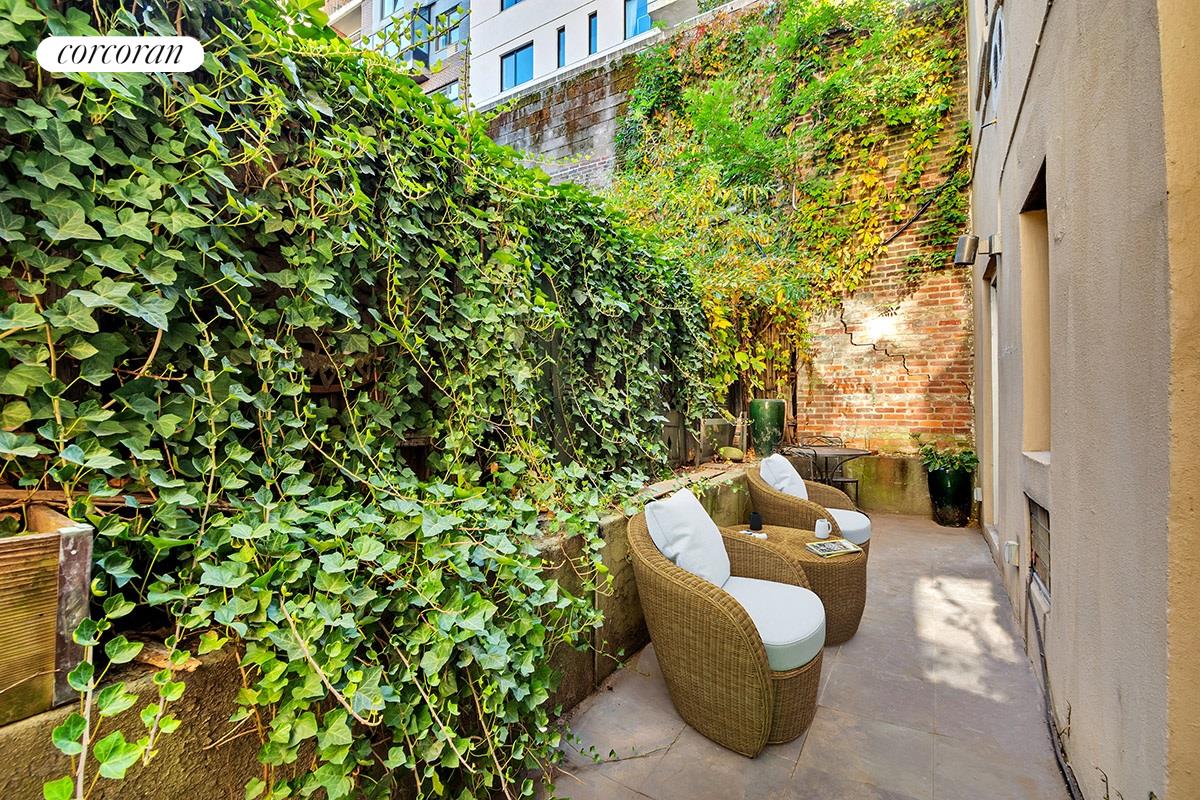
967, 249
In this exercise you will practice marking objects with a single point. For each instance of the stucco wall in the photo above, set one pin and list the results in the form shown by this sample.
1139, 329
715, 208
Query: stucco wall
1180, 44
1081, 90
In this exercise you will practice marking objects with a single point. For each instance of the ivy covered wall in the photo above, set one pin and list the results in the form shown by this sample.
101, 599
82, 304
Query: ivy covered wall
808, 160
236, 306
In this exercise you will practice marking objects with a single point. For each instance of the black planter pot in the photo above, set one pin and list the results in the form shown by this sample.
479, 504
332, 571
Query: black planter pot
951, 491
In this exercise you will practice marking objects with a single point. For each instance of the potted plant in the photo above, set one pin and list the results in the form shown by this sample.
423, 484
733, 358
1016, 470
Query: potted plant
766, 425
951, 472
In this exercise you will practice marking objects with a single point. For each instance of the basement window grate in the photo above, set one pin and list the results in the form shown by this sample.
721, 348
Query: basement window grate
1039, 540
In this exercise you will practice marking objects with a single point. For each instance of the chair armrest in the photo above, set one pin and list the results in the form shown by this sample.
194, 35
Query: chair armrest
757, 558
829, 496
785, 510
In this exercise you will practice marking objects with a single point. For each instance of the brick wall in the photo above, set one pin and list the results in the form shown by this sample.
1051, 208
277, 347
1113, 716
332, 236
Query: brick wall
898, 359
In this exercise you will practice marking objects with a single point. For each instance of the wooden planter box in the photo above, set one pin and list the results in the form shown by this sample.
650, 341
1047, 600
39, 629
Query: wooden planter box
44, 587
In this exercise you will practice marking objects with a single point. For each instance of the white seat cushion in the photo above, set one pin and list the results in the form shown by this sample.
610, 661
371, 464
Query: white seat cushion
687, 536
780, 475
790, 619
855, 525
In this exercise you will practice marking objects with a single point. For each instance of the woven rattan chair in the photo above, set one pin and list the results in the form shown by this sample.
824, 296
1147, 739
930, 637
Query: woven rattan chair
710, 652
786, 511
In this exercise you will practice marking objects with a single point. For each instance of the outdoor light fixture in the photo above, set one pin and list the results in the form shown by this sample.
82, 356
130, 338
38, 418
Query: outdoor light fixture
968, 249
964, 253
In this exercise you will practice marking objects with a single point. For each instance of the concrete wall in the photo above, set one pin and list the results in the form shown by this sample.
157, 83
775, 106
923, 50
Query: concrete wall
568, 127
204, 758
1082, 92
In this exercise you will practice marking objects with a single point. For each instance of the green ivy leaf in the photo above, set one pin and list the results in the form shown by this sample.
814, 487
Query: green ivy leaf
120, 650
60, 789
68, 734
210, 641
80, 678
14, 415
20, 378
20, 315
64, 219
20, 11
11, 224
61, 142
70, 312
20, 445
117, 606
126, 222
114, 699
116, 755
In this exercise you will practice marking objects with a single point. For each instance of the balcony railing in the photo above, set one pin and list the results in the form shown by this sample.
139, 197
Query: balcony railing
334, 6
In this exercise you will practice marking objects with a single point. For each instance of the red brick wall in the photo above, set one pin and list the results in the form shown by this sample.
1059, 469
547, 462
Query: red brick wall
893, 374
902, 363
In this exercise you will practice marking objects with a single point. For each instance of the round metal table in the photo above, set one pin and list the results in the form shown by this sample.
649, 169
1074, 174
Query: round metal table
828, 460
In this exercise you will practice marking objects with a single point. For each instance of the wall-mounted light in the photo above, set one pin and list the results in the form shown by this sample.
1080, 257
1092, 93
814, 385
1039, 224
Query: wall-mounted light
964, 253
967, 249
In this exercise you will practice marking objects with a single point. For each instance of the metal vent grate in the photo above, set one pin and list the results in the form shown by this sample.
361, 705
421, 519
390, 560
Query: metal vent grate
1039, 540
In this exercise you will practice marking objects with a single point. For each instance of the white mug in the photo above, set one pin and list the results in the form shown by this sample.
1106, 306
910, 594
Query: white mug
823, 529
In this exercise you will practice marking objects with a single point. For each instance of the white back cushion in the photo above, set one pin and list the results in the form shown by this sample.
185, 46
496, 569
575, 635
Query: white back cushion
687, 536
779, 473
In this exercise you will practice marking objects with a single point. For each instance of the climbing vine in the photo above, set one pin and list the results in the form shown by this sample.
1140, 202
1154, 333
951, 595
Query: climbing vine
238, 307
778, 150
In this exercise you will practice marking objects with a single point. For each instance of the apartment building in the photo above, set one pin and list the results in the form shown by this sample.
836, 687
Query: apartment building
1086, 199
513, 43
431, 36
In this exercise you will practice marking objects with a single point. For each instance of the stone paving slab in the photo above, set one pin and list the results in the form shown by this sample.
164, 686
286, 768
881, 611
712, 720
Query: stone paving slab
933, 699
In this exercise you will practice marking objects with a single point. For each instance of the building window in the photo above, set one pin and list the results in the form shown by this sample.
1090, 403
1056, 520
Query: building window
562, 47
450, 91
996, 57
637, 18
516, 67
389, 8
593, 33
1034, 230
449, 36
1039, 542
507, 4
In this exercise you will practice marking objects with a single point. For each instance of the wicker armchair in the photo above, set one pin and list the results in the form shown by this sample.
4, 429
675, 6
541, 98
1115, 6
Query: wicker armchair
711, 654
786, 511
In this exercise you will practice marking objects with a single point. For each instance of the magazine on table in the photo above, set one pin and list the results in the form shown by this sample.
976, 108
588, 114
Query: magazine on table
829, 548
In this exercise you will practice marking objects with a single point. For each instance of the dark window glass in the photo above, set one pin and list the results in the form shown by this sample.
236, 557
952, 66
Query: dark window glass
562, 47
516, 67
593, 33
508, 4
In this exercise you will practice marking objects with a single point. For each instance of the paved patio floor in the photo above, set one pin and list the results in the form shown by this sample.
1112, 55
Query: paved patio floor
933, 698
